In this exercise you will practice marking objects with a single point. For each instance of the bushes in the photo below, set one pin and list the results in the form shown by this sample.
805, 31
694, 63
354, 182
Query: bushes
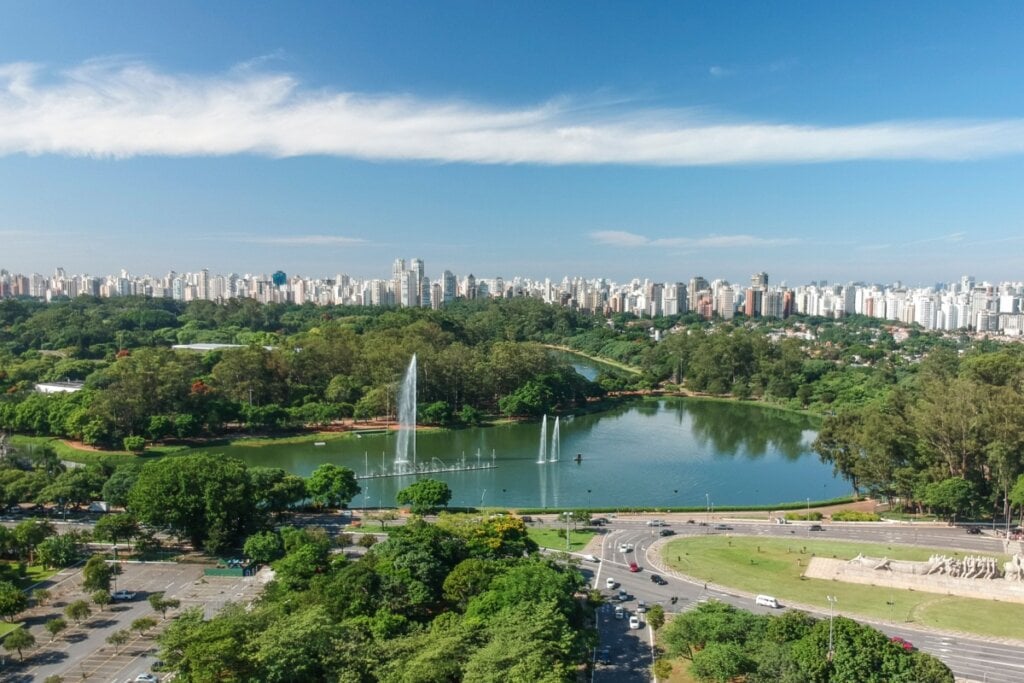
855, 516
804, 516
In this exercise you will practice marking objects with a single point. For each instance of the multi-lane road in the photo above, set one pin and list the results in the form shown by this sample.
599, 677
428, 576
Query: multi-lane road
970, 658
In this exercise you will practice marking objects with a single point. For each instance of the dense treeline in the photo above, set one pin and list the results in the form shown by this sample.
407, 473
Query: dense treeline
300, 366
948, 437
462, 600
726, 644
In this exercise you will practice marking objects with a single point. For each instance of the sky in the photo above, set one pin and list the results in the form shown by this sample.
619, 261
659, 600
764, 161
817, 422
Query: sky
845, 141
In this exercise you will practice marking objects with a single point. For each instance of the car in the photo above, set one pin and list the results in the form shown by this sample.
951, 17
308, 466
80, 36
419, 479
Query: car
146, 678
609, 583
634, 621
619, 612
723, 527
903, 643
599, 521
634, 567
623, 595
656, 522
817, 527
624, 548
591, 558
656, 578
641, 606
527, 519
974, 530
124, 595
666, 532
604, 655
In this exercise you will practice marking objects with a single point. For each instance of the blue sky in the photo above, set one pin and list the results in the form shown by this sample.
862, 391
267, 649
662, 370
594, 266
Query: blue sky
839, 141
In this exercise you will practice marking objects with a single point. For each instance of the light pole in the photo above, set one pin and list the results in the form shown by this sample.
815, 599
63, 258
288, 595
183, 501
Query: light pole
831, 603
567, 515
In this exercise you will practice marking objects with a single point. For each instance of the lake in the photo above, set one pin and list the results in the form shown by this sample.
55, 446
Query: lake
663, 452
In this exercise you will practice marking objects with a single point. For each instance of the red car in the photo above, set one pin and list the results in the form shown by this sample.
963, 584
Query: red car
634, 567
905, 644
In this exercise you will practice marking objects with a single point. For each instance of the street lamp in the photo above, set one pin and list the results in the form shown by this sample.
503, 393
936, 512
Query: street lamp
567, 515
831, 603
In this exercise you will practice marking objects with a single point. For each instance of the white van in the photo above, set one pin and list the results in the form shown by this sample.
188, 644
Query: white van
766, 601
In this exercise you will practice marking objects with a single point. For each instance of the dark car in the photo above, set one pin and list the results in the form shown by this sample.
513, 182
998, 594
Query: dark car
974, 529
599, 521
723, 527
656, 578
817, 527
667, 532
604, 655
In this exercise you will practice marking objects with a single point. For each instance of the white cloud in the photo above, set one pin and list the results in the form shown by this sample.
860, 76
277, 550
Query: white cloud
720, 71
621, 238
110, 108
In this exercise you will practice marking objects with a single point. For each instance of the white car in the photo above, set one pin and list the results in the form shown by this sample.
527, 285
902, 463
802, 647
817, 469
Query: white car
641, 607
591, 558
127, 595
634, 621
610, 583
146, 678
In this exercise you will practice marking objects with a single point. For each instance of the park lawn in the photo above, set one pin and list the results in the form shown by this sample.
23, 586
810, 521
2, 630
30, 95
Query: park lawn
555, 538
7, 627
775, 566
34, 574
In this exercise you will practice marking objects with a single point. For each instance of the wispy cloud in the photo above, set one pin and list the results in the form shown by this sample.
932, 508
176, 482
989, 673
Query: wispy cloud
621, 238
720, 71
111, 108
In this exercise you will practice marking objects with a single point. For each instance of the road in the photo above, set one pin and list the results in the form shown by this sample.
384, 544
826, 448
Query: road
970, 658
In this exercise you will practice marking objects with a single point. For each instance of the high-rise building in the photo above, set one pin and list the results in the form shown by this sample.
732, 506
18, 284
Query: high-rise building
449, 287
759, 280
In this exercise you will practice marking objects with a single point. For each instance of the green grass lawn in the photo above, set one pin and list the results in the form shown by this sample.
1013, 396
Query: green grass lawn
555, 538
6, 628
776, 565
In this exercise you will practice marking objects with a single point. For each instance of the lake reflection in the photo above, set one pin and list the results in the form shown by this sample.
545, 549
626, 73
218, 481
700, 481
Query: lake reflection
651, 453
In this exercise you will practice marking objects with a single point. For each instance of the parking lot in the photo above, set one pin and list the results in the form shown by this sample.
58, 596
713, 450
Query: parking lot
81, 651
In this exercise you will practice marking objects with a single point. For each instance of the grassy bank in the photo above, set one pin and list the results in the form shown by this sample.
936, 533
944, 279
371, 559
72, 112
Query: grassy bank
774, 507
596, 359
555, 538
776, 566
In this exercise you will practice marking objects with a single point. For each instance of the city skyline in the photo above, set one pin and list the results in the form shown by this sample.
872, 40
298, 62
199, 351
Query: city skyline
849, 142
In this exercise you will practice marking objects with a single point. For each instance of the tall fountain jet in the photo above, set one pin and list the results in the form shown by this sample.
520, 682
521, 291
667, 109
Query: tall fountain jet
405, 447
542, 452
556, 443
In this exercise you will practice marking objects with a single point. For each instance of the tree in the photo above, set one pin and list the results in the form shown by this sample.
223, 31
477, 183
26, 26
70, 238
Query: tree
18, 640
425, 495
264, 547
41, 596
77, 611
101, 598
54, 679
721, 662
59, 551
143, 624
115, 527
134, 444
118, 638
951, 496
161, 604
12, 600
205, 498
55, 626
656, 617
332, 486
98, 573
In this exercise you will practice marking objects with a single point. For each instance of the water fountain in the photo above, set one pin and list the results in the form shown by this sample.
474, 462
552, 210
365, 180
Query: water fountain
405, 447
556, 443
542, 451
